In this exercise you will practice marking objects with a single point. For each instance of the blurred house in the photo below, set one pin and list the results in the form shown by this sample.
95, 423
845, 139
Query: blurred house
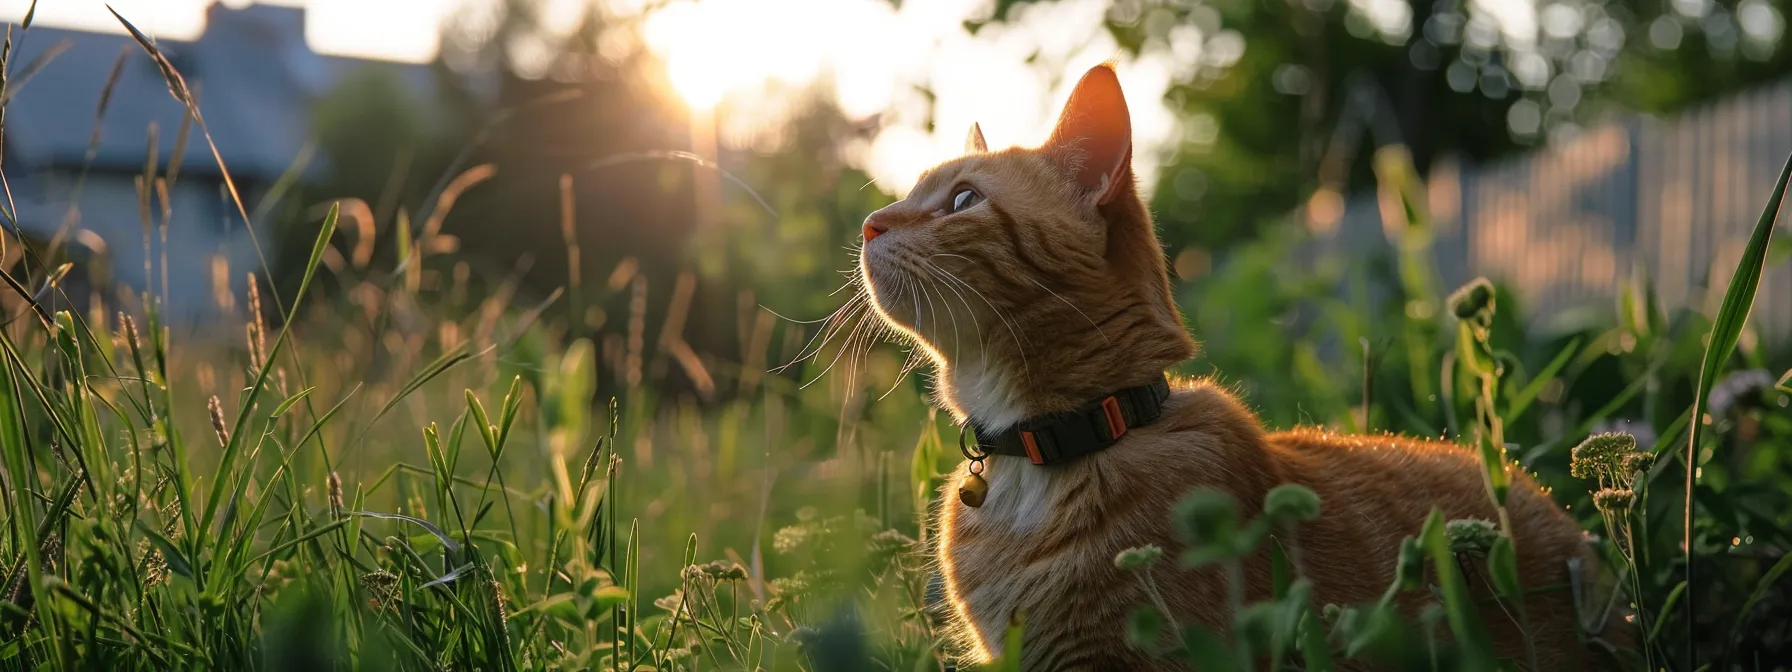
76, 152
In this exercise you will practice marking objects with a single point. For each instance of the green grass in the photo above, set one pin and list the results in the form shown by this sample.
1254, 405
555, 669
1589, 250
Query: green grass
417, 471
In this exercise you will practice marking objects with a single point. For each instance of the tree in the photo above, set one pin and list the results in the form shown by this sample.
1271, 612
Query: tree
1276, 94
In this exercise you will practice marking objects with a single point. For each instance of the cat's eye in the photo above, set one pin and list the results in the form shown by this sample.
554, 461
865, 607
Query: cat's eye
965, 198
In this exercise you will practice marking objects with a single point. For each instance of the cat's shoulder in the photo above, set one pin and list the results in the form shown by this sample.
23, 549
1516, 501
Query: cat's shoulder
1204, 405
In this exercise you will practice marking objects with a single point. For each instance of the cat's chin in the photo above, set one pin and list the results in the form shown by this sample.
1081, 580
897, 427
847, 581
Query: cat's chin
883, 280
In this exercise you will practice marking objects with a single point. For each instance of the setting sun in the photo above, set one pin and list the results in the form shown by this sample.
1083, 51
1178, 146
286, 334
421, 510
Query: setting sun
904, 64
718, 48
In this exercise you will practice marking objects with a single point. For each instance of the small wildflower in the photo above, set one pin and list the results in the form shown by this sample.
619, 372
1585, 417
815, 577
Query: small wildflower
1601, 454
892, 541
1331, 612
792, 538
1638, 462
1291, 502
1473, 299
1645, 435
1612, 500
719, 570
217, 410
1206, 515
886, 546
1135, 558
673, 603
788, 588
1471, 535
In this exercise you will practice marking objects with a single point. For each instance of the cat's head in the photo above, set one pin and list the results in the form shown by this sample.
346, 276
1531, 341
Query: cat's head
1031, 275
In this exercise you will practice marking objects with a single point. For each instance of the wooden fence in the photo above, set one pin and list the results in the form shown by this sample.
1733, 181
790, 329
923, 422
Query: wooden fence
1563, 226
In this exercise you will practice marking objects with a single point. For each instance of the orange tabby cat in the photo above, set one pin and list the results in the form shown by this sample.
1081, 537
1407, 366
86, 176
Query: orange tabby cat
1035, 281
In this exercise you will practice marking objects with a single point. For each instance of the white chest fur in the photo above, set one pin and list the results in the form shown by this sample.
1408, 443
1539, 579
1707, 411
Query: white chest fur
1019, 501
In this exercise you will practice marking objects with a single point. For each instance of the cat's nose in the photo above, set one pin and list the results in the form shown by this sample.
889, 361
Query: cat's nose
875, 226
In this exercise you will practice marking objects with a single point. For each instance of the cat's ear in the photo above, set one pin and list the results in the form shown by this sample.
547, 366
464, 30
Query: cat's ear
973, 141
1094, 134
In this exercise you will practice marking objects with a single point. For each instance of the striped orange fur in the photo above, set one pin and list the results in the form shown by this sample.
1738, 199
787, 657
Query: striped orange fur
1034, 280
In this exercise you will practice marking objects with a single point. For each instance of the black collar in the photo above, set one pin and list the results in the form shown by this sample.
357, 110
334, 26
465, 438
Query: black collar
1057, 438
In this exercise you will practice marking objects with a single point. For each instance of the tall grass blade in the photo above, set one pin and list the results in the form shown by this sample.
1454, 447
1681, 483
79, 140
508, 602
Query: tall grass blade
266, 368
448, 542
1521, 400
1726, 331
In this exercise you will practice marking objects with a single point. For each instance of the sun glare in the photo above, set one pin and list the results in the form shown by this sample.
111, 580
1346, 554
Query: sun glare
719, 48
912, 64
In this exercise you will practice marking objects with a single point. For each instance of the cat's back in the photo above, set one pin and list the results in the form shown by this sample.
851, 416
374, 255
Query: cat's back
1381, 471
1378, 489
1399, 480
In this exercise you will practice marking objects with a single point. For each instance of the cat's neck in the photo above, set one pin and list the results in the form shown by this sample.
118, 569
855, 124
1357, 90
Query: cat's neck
995, 398
984, 395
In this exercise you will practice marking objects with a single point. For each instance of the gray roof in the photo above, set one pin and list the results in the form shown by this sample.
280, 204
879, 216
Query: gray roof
253, 74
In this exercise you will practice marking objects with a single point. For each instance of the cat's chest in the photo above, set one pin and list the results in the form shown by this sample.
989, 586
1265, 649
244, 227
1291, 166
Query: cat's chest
1021, 499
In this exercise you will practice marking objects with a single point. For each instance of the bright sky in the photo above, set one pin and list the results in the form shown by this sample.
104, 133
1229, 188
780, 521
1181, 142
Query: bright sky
877, 58
403, 30
744, 57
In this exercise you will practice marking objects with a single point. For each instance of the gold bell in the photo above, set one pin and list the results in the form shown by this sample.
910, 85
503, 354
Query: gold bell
973, 488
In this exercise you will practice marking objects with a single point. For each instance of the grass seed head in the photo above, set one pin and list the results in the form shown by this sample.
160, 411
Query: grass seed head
335, 487
129, 327
381, 587
217, 411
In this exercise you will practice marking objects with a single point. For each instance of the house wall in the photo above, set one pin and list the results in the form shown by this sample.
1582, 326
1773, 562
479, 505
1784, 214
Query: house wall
205, 242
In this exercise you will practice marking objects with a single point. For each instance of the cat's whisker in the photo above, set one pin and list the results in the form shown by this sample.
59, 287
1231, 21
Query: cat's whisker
933, 312
909, 364
982, 337
1020, 346
952, 316
851, 338
848, 285
933, 270
819, 341
852, 283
